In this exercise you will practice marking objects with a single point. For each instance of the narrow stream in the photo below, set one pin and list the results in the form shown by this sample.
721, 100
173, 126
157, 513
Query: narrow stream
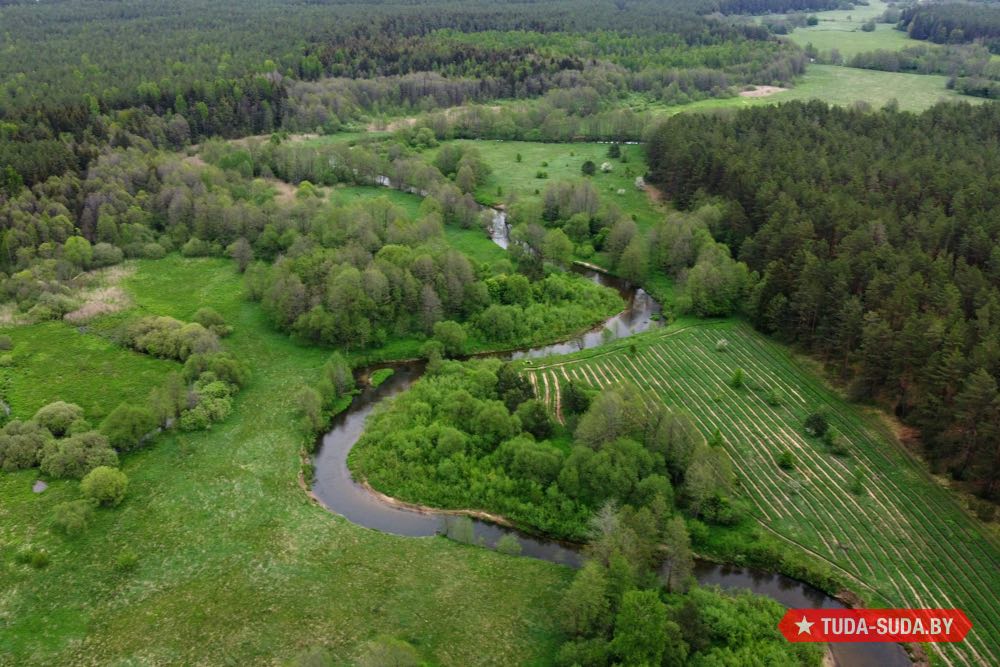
338, 492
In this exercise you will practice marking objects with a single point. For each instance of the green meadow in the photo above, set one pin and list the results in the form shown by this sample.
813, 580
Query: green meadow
234, 564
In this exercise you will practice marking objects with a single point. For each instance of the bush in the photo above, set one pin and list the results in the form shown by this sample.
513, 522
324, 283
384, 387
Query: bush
737, 381
835, 442
210, 409
57, 417
72, 518
21, 445
105, 254
722, 345
36, 558
985, 510
211, 320
816, 424
775, 397
127, 425
105, 486
452, 337
126, 560
786, 460
588, 168
858, 483
195, 247
77, 455
6, 343
41, 313
153, 251
170, 338
223, 365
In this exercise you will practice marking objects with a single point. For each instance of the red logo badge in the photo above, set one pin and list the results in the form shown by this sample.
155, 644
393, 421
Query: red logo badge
875, 625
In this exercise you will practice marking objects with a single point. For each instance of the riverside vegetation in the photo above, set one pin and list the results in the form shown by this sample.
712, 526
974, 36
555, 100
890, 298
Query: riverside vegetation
199, 250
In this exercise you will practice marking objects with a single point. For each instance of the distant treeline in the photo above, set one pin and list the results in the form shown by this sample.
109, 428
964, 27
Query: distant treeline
76, 76
954, 23
779, 6
877, 248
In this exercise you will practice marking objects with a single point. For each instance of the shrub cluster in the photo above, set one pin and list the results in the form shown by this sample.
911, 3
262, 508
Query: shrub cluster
170, 338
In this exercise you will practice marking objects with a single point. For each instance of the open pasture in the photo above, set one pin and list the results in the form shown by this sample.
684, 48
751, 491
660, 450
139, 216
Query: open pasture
900, 538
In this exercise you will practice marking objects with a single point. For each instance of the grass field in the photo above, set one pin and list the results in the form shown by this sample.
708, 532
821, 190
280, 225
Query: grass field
563, 162
847, 85
850, 40
841, 29
55, 361
903, 540
235, 565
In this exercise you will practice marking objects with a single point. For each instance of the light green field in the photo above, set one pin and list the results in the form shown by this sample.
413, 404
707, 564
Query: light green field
235, 565
55, 361
847, 86
563, 163
841, 29
903, 541
346, 195
850, 42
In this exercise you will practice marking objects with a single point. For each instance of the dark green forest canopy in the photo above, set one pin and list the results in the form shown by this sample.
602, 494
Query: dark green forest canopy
106, 49
954, 23
877, 246
77, 74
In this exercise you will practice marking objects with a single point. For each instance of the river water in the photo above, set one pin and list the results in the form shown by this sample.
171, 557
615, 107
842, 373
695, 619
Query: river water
340, 493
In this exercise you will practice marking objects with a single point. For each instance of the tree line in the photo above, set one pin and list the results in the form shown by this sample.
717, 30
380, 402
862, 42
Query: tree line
873, 246
953, 23
306, 71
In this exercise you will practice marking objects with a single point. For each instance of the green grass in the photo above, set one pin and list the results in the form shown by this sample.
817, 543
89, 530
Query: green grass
55, 361
564, 162
841, 29
850, 19
344, 195
235, 565
380, 376
903, 542
339, 137
475, 244
851, 40
847, 85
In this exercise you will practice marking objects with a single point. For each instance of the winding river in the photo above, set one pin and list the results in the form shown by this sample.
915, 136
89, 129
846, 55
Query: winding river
340, 493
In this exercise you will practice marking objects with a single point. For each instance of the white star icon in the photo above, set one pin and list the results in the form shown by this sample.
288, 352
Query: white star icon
804, 626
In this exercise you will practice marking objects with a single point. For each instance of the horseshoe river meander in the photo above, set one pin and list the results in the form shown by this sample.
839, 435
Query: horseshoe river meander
340, 493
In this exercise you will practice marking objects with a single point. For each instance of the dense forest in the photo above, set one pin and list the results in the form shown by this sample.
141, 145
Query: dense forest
319, 66
482, 425
953, 23
875, 247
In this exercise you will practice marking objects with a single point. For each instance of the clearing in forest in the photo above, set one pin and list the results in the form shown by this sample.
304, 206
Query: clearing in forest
872, 513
